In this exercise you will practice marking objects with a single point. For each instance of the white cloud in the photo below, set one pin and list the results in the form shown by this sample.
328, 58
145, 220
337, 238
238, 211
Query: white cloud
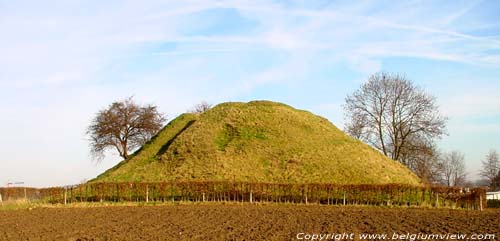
452, 17
82, 45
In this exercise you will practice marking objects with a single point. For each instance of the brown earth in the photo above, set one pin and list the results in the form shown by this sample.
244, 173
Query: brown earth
236, 222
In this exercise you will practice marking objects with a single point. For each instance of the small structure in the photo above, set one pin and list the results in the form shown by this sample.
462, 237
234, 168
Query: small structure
493, 196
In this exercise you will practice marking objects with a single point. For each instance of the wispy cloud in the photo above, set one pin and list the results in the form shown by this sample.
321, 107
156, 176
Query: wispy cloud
90, 41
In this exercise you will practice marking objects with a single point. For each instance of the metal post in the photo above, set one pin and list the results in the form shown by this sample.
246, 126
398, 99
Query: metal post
147, 194
251, 197
1, 201
65, 196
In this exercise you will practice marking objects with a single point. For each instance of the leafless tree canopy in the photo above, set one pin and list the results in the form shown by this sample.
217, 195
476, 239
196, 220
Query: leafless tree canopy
452, 167
200, 108
491, 166
423, 160
495, 183
394, 116
124, 126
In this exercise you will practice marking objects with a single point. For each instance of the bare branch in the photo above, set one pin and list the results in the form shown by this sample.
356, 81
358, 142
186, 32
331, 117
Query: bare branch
390, 113
452, 167
491, 166
123, 126
200, 108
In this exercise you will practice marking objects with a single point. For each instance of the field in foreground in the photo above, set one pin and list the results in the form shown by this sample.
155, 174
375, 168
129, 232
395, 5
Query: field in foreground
236, 222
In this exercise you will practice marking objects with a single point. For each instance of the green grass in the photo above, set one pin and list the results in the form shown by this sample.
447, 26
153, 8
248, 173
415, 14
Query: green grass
19, 204
259, 141
131, 168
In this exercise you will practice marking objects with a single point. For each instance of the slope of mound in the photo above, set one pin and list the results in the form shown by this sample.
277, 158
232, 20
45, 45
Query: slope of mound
259, 141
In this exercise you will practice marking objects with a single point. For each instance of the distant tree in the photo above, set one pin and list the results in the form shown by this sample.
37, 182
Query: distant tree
452, 166
491, 166
495, 183
123, 126
482, 183
200, 108
390, 113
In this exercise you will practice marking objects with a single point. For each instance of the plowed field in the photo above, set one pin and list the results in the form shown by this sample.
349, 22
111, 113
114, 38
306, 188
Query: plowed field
240, 222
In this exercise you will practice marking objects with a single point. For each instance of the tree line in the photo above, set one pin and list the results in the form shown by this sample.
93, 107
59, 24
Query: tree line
227, 191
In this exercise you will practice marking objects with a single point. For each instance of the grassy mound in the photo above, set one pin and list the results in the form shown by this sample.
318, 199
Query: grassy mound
259, 141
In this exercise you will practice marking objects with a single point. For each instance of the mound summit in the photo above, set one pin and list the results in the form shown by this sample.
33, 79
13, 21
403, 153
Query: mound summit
258, 141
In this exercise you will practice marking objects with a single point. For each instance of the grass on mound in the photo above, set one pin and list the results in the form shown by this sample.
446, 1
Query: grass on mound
131, 169
259, 141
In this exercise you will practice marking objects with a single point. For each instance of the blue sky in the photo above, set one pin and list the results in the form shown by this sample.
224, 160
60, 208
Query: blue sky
62, 61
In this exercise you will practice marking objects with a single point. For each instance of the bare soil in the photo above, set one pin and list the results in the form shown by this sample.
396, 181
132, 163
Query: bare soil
235, 222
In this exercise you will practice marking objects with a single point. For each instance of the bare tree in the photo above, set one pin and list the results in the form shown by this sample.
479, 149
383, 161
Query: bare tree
423, 160
123, 126
388, 112
200, 108
495, 183
491, 166
452, 166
